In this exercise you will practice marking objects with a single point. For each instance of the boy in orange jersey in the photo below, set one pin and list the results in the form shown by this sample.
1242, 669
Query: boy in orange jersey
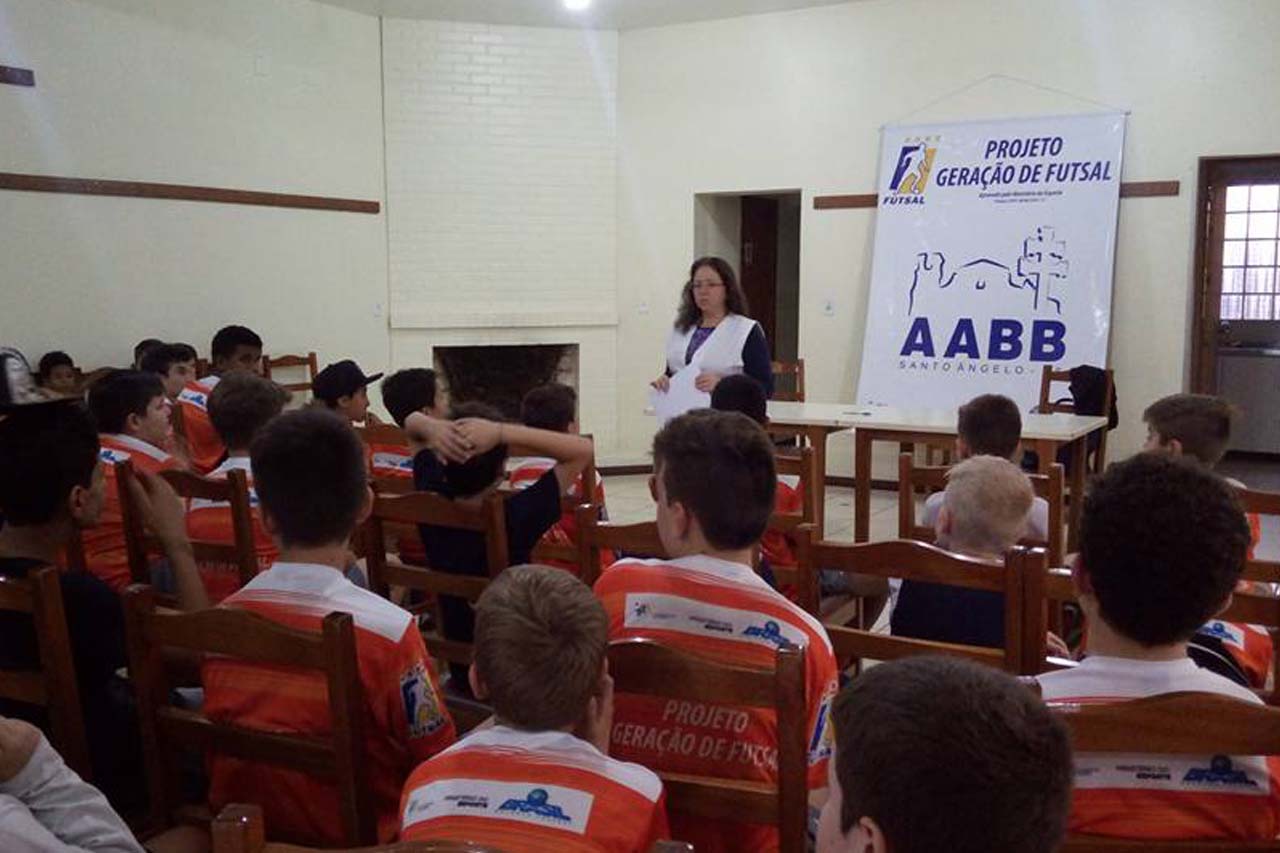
554, 407
541, 780
239, 407
995, 756
175, 364
1157, 523
714, 482
1197, 427
309, 472
233, 348
132, 414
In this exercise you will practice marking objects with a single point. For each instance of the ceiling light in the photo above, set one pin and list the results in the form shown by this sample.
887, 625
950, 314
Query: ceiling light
576, 5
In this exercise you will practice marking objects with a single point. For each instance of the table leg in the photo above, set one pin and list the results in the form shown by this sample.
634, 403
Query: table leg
817, 438
1079, 453
1046, 455
861, 485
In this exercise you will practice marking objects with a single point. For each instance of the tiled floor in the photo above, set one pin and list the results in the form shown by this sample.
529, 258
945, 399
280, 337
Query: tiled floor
627, 498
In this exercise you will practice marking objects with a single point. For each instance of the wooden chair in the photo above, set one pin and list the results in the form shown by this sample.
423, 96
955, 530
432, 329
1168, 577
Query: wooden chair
1020, 577
285, 362
567, 554
793, 371
930, 479
594, 536
1171, 724
239, 829
803, 463
234, 491
54, 686
649, 668
168, 730
1098, 458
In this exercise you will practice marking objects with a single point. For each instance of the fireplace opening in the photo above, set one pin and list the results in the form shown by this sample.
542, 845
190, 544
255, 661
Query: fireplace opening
502, 375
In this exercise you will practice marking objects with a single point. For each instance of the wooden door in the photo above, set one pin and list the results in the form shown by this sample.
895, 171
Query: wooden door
759, 262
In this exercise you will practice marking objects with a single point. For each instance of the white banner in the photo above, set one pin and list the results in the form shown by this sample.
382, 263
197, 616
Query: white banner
994, 252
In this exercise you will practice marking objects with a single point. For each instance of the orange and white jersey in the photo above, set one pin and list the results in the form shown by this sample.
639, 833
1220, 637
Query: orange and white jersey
723, 611
523, 472
202, 439
1250, 646
537, 792
405, 721
104, 549
210, 521
1164, 796
776, 546
391, 460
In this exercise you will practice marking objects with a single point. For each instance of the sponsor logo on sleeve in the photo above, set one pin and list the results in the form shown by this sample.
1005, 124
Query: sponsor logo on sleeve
551, 806
421, 707
687, 616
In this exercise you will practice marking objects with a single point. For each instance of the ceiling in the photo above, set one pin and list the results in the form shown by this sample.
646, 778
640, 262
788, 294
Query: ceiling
603, 14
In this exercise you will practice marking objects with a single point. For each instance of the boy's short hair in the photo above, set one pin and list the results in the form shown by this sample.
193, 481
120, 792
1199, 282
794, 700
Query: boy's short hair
991, 425
552, 406
478, 473
1163, 542
50, 360
720, 466
1201, 423
160, 358
143, 346
407, 391
988, 499
242, 404
309, 473
741, 393
228, 338
540, 643
45, 451
122, 393
920, 732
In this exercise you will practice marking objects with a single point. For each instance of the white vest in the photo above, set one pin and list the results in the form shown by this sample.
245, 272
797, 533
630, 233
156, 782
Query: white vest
720, 353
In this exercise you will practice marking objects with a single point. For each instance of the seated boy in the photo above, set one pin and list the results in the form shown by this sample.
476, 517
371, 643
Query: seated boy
1162, 543
541, 780
983, 514
141, 348
990, 425
308, 468
233, 348
714, 481
132, 414
529, 513
175, 364
1197, 427
343, 389
403, 393
52, 488
554, 407
57, 374
239, 407
1002, 768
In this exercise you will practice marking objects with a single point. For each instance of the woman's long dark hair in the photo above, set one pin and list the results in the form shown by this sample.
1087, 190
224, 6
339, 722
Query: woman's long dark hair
735, 301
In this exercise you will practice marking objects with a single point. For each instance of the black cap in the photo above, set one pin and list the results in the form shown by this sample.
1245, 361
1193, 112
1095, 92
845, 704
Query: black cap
340, 379
18, 389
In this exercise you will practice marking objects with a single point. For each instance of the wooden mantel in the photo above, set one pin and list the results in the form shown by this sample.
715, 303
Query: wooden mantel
1128, 189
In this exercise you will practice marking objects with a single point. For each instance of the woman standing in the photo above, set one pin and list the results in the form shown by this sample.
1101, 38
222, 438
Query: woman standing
712, 333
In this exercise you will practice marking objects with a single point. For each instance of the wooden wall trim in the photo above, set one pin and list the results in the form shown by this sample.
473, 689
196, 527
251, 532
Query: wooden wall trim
1128, 189
180, 192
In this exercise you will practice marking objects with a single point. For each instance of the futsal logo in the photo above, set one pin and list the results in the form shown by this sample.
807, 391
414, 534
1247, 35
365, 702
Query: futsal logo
911, 174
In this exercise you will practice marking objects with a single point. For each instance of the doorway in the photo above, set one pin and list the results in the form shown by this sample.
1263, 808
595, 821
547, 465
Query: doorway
759, 234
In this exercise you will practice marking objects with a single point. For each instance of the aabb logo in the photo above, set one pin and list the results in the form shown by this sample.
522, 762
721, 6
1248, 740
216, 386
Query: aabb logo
911, 175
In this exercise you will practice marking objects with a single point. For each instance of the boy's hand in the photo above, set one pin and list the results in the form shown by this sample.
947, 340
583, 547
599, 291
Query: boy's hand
444, 437
482, 435
598, 722
1056, 646
18, 741
162, 510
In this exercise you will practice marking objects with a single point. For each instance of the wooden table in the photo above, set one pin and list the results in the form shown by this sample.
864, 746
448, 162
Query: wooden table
1042, 433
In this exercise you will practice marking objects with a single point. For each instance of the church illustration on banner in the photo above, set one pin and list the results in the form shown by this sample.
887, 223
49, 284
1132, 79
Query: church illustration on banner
1038, 273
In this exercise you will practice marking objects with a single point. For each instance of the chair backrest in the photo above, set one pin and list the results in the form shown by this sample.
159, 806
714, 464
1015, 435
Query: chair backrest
239, 828
272, 363
933, 478
1171, 724
488, 519
646, 667
53, 686
594, 536
791, 373
803, 463
1020, 577
233, 491
1047, 405
168, 730
387, 435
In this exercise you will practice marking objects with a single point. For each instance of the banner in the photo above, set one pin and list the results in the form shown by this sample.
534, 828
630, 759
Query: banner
994, 253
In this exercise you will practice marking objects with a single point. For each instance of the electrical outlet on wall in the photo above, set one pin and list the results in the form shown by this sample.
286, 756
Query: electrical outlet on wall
828, 307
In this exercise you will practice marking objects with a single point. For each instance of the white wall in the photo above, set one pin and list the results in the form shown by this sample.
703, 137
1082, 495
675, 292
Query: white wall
279, 96
797, 98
